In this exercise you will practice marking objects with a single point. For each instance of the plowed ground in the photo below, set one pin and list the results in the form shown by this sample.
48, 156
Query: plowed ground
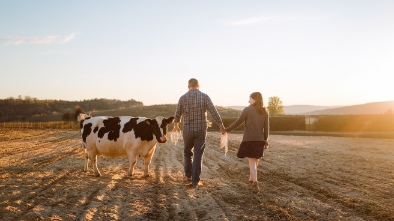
301, 178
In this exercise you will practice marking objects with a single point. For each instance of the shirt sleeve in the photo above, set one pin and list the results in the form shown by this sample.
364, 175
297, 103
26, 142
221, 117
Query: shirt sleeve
241, 119
266, 127
214, 113
178, 111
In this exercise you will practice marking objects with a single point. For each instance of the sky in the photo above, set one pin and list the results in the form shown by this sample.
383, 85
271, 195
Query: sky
325, 53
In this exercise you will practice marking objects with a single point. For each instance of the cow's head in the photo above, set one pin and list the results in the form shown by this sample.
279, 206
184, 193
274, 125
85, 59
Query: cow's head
160, 127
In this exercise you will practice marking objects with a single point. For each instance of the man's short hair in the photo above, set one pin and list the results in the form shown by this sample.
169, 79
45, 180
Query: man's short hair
193, 83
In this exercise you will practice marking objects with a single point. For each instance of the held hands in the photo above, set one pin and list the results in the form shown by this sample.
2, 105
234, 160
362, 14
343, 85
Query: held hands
223, 131
223, 140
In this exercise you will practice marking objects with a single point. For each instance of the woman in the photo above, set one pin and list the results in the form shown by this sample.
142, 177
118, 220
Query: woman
255, 135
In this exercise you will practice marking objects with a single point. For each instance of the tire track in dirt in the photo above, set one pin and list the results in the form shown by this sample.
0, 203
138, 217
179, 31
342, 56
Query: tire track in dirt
98, 192
333, 183
20, 135
33, 182
330, 197
164, 196
30, 197
238, 198
152, 197
96, 198
223, 190
364, 204
20, 149
54, 156
159, 210
9, 144
190, 203
275, 178
171, 186
43, 154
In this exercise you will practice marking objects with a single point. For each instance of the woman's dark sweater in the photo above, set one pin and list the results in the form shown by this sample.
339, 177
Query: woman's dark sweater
256, 125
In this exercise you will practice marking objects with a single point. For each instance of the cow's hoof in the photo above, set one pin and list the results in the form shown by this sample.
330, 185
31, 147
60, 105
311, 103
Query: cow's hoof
97, 175
146, 176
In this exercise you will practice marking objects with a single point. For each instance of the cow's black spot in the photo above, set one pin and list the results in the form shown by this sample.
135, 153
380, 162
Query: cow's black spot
112, 127
95, 129
145, 129
86, 131
129, 126
81, 124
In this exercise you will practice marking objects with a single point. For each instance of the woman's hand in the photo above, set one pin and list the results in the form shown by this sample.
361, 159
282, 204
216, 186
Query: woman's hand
266, 144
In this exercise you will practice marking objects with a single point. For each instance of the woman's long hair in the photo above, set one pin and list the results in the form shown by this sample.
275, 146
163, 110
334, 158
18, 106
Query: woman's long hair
259, 103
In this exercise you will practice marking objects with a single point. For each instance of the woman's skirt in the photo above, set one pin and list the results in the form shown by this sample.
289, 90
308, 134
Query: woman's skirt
251, 149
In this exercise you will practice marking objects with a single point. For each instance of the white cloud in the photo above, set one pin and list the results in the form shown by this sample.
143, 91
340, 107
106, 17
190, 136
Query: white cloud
261, 19
304, 18
249, 21
39, 39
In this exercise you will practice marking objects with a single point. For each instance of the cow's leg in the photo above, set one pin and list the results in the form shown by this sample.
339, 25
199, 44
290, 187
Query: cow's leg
85, 169
93, 158
132, 160
147, 160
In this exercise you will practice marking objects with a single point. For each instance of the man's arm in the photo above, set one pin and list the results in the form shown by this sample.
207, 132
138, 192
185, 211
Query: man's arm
215, 114
178, 115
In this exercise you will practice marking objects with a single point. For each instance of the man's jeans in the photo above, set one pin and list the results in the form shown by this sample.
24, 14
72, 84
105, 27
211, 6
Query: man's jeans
193, 140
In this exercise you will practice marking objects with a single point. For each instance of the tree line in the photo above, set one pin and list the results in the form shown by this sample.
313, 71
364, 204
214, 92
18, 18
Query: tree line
32, 109
23, 108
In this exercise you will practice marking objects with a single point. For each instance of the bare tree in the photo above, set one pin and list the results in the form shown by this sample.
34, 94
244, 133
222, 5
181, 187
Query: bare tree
77, 111
66, 116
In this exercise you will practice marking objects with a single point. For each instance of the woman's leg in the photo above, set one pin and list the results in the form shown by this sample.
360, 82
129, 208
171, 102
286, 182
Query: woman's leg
253, 169
253, 162
257, 163
250, 173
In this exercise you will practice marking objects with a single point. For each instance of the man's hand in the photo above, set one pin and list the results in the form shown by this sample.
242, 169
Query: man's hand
176, 127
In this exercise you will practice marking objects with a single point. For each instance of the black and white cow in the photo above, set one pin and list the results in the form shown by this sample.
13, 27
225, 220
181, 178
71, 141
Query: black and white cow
122, 136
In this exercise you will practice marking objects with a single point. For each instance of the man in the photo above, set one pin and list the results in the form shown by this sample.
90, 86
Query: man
192, 106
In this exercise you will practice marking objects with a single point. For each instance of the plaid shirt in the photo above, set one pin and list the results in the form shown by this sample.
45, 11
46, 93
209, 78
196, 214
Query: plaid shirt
193, 107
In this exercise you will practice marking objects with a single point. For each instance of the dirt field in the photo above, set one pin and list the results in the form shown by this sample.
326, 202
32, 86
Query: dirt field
301, 178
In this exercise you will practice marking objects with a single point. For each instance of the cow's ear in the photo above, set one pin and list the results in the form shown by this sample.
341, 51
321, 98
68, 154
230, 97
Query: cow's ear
169, 120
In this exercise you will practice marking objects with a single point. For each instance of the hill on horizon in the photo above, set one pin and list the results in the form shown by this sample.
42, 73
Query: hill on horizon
294, 109
164, 110
301, 109
368, 108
